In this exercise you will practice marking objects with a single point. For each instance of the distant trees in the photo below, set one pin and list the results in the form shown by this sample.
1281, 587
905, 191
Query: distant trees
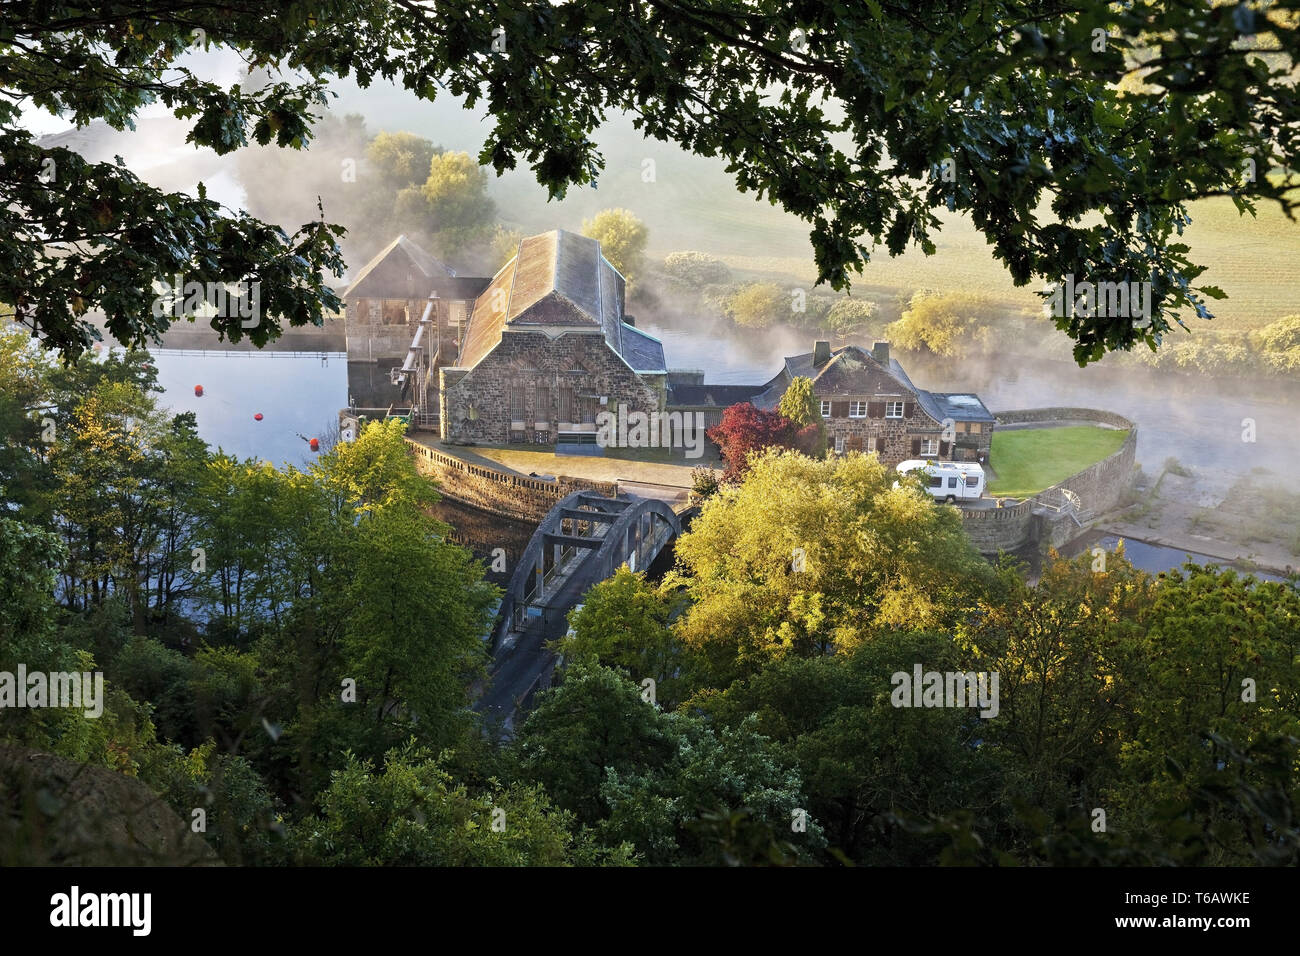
759, 305
947, 324
696, 269
849, 317
402, 159
622, 237
378, 185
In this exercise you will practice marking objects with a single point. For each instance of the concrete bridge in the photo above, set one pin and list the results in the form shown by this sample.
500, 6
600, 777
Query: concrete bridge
584, 539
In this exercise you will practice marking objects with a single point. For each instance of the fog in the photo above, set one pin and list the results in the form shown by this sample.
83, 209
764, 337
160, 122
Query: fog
1219, 429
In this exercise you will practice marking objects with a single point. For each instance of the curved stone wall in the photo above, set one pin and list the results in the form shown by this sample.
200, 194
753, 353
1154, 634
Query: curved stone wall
1099, 487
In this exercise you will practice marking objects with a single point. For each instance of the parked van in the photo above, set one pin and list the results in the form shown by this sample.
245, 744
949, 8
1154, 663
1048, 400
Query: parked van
949, 480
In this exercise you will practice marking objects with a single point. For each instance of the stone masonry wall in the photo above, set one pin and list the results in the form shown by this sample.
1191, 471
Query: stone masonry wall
1099, 487
498, 492
999, 529
583, 363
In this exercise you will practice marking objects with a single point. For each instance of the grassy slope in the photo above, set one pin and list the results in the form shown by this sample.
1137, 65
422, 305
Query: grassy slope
692, 203
1029, 460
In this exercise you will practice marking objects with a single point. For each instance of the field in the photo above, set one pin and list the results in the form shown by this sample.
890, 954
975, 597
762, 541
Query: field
1028, 460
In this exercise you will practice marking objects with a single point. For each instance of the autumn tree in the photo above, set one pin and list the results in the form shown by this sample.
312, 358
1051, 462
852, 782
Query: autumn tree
806, 558
745, 430
948, 324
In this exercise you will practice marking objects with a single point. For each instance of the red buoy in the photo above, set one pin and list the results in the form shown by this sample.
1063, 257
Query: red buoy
315, 444
257, 417
198, 390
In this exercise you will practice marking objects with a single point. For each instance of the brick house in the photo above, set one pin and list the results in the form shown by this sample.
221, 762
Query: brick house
547, 347
869, 404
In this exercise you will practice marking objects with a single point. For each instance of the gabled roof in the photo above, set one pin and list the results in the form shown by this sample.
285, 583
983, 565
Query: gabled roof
557, 279
853, 370
424, 263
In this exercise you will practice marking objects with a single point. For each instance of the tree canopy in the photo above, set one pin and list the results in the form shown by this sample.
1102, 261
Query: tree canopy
1074, 138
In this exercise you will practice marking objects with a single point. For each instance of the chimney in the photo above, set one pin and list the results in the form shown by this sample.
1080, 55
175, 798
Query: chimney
880, 352
821, 353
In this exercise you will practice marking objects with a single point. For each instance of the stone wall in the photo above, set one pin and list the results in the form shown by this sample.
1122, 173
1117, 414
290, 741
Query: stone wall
999, 529
475, 404
1062, 414
1099, 487
498, 492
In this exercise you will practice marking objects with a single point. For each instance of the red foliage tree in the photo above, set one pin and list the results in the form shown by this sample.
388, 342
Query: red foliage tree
744, 429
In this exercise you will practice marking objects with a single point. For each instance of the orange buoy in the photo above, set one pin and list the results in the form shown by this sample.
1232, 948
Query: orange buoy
257, 417
198, 390
315, 444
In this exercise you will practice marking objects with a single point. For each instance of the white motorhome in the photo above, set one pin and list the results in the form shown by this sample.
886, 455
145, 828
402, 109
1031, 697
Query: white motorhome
948, 480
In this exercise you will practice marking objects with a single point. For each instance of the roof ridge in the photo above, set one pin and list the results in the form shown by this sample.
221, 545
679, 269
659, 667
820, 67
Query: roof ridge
510, 296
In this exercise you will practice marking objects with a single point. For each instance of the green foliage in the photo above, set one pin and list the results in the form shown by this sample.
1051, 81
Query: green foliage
401, 159
638, 775
454, 198
759, 305
947, 324
808, 557
696, 269
413, 814
623, 624
704, 481
622, 237
849, 317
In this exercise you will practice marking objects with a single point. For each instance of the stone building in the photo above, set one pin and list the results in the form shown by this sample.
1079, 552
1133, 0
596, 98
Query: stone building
547, 347
869, 404
385, 301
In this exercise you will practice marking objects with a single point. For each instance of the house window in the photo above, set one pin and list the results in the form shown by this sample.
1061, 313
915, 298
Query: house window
857, 409
826, 409
839, 444
929, 447
517, 404
543, 406
972, 428
893, 409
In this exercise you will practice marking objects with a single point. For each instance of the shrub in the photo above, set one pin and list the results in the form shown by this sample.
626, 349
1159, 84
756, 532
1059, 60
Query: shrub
696, 268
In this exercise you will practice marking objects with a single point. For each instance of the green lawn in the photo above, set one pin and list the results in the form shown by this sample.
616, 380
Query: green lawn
1031, 459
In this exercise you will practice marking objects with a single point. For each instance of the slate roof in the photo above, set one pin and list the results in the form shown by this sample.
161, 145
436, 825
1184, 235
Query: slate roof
712, 396
557, 279
642, 351
959, 406
852, 370
430, 267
